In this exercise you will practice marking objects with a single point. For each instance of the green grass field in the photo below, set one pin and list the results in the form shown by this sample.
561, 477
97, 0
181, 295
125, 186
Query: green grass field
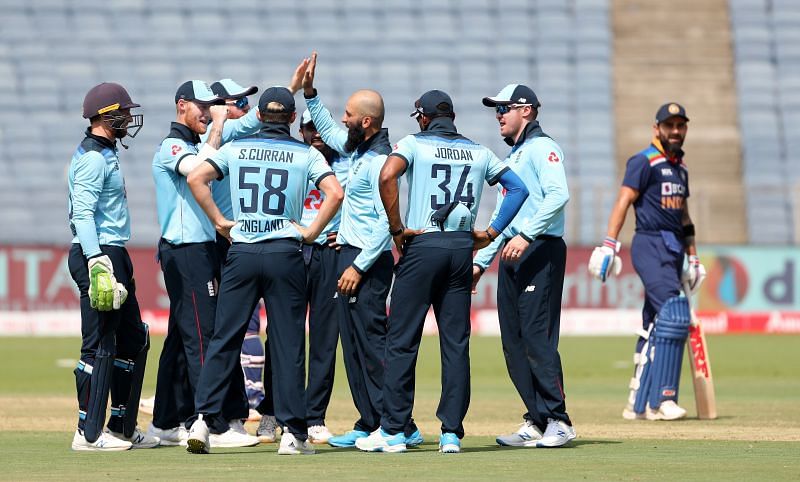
756, 437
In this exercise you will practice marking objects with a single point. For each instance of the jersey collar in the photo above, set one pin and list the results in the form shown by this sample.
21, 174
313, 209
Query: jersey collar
379, 143
182, 131
673, 159
532, 130
103, 141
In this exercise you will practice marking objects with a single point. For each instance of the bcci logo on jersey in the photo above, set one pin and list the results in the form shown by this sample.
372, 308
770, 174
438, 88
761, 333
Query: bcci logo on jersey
672, 195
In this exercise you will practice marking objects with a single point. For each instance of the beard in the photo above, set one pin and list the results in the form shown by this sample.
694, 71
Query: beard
673, 148
355, 136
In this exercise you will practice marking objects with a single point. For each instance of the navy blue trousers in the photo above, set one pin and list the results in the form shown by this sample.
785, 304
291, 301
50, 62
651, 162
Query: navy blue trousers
116, 333
529, 310
274, 271
362, 328
435, 270
659, 265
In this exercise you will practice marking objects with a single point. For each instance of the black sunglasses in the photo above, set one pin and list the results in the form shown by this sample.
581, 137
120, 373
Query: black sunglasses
240, 103
506, 108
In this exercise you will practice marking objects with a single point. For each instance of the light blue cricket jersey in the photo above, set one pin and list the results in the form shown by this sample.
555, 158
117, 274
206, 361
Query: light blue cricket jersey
443, 167
363, 218
98, 203
268, 174
182, 220
341, 168
232, 129
539, 162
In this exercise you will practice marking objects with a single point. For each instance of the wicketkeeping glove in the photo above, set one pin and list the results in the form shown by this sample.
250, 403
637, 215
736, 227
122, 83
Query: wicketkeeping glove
694, 273
105, 293
604, 260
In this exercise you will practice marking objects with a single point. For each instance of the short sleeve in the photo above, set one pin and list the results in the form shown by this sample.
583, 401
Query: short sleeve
637, 173
405, 148
173, 151
318, 168
220, 161
494, 168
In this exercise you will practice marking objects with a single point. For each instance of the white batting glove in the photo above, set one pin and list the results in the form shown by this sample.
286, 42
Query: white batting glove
604, 260
693, 274
105, 293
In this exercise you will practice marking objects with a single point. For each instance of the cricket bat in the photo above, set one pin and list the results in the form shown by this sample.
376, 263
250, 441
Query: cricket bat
701, 366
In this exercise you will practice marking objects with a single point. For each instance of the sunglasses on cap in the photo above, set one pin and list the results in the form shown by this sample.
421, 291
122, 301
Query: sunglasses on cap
506, 108
240, 103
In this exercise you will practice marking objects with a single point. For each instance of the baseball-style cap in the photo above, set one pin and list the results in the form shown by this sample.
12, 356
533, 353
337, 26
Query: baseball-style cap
670, 110
433, 103
306, 118
228, 89
513, 94
276, 94
197, 91
106, 97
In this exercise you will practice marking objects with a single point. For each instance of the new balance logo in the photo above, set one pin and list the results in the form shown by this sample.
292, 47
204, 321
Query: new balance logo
530, 289
212, 291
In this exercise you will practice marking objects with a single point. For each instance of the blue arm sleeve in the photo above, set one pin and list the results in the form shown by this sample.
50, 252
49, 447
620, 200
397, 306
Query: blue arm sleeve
332, 135
379, 238
516, 194
87, 186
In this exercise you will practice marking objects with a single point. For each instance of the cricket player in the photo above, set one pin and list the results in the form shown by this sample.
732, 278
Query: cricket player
445, 172
189, 260
269, 174
531, 272
114, 341
364, 272
656, 183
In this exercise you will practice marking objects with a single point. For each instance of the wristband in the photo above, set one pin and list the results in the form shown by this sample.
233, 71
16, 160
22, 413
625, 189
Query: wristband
310, 96
397, 232
479, 267
491, 238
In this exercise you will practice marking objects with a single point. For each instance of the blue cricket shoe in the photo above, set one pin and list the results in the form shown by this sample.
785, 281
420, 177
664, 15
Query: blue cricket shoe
347, 439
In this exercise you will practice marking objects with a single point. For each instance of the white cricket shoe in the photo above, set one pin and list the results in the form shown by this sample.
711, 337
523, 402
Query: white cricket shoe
139, 439
556, 434
526, 436
170, 437
198, 441
291, 446
668, 410
236, 436
253, 416
146, 405
629, 414
319, 434
104, 443
267, 429
380, 441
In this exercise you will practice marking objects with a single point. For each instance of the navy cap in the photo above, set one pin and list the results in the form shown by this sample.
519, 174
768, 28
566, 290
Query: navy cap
513, 94
670, 110
228, 89
280, 95
197, 91
433, 103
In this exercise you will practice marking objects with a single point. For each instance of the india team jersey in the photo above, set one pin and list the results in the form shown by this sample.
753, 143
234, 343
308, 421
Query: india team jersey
444, 168
98, 204
268, 175
182, 220
663, 188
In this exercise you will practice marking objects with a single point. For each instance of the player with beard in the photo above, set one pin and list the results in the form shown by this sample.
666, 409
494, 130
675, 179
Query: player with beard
656, 183
364, 270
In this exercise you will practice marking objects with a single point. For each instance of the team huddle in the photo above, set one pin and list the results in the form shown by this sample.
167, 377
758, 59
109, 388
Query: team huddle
248, 213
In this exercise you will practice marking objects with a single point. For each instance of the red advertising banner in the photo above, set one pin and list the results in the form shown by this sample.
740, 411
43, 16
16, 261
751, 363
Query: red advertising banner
38, 296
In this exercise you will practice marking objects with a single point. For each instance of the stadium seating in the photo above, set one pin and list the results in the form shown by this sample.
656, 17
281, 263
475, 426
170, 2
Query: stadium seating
767, 45
52, 51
